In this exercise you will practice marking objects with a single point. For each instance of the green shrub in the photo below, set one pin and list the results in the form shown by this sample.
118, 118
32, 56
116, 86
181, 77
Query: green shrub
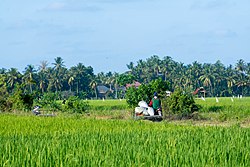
20, 101
75, 105
48, 101
181, 103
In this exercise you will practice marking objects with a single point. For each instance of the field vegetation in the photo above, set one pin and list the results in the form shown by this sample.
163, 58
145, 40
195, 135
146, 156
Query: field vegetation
223, 110
226, 109
105, 135
77, 141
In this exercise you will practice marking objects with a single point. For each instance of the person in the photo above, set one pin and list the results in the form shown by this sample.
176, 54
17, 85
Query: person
36, 110
155, 103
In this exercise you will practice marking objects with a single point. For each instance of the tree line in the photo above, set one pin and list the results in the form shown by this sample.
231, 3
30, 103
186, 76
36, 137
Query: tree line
217, 79
80, 80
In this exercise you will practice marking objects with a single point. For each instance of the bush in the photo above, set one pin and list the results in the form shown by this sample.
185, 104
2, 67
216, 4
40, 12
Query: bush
48, 101
20, 101
181, 103
75, 105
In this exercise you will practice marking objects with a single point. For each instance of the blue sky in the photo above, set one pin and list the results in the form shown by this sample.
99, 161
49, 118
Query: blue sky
108, 34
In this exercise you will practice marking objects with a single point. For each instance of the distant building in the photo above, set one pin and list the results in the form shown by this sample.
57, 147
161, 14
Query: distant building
135, 84
102, 91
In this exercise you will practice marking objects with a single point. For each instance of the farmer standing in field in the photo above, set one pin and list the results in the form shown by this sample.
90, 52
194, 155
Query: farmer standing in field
155, 102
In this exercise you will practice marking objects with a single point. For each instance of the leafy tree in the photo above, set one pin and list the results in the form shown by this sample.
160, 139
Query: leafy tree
181, 103
145, 92
124, 79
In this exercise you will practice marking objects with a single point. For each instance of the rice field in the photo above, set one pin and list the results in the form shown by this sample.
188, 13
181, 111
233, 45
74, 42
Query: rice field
79, 141
108, 105
225, 104
226, 108
222, 109
209, 105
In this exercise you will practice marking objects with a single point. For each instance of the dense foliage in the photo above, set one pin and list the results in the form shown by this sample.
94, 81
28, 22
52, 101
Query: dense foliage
145, 91
181, 103
75, 105
48, 101
217, 79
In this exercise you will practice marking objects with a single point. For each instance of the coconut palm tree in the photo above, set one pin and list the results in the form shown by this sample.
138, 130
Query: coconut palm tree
93, 84
110, 80
28, 76
130, 66
58, 74
207, 77
42, 75
248, 69
80, 73
3, 71
240, 66
43, 66
71, 82
58, 64
196, 69
242, 76
13, 77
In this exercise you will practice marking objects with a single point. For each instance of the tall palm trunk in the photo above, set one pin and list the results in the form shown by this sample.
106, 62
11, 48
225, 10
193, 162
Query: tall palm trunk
77, 87
30, 88
96, 93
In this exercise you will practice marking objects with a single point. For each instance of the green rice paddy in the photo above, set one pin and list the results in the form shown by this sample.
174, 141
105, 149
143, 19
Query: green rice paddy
26, 140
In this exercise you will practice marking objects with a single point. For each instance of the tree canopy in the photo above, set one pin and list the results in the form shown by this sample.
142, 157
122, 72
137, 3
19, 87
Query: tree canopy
80, 80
